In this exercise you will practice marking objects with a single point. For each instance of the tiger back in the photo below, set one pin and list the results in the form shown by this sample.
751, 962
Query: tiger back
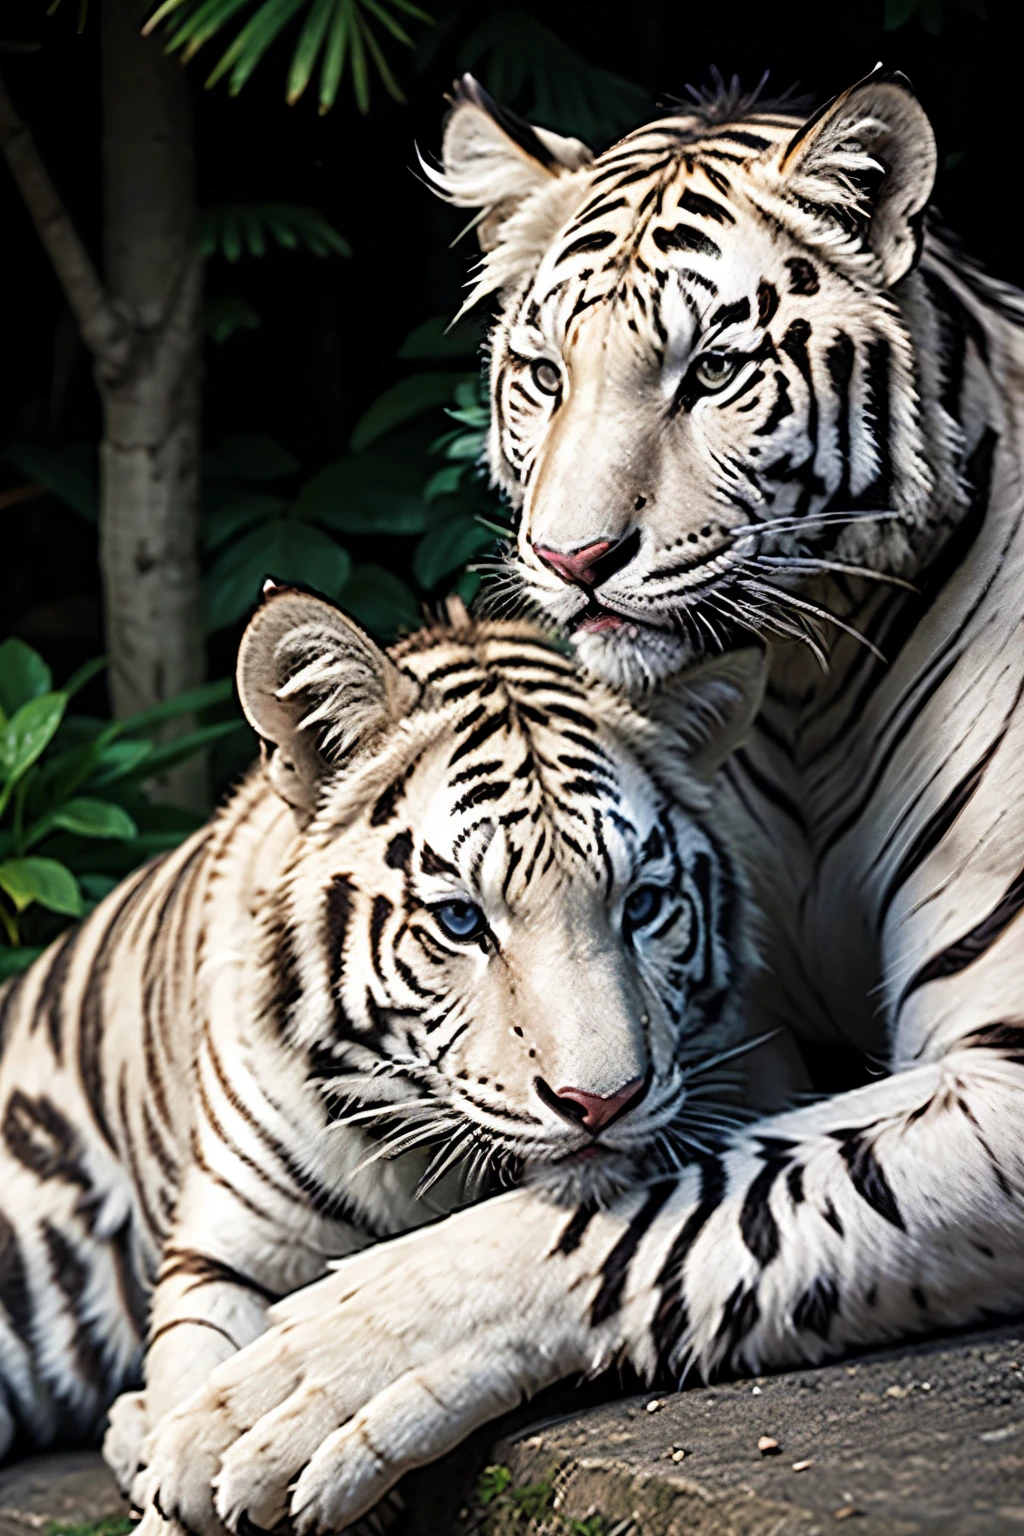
466, 924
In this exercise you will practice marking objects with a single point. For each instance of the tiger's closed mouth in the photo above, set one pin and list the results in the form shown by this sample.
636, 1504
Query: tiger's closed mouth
593, 619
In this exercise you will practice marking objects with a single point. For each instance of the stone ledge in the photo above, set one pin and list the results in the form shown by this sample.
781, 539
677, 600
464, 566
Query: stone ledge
67, 1488
925, 1441
928, 1439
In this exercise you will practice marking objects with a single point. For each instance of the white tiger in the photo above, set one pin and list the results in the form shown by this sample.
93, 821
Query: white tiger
467, 924
734, 379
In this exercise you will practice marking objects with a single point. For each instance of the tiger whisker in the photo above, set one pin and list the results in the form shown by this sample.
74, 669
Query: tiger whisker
397, 1146
444, 1160
791, 600
743, 1049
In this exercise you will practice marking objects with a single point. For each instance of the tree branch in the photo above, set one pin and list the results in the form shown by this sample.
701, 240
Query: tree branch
108, 336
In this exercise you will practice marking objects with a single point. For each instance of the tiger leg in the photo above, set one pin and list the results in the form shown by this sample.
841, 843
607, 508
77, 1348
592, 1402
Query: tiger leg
881, 1212
71, 1307
208, 1303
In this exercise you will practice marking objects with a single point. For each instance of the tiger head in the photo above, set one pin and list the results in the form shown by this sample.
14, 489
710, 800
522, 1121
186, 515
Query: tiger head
506, 921
703, 384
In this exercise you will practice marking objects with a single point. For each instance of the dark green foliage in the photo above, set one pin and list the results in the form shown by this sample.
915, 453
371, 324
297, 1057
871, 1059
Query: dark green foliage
262, 518
340, 35
73, 815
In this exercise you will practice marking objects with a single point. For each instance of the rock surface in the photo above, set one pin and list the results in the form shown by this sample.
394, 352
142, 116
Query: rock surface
925, 1440
72, 1488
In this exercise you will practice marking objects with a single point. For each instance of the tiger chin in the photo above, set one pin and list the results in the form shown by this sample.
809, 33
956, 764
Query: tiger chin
468, 922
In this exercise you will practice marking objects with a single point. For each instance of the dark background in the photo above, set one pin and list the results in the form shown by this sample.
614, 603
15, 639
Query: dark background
331, 329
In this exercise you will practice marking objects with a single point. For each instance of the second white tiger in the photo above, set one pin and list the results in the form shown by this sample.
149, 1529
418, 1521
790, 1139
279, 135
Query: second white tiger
467, 922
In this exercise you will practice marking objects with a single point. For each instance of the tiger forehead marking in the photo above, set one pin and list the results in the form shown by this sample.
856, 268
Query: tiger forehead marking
703, 382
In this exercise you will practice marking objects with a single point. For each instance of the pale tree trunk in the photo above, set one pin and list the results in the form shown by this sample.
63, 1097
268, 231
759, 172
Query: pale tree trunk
143, 326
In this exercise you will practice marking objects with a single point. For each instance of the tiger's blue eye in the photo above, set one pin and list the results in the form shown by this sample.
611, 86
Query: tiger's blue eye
462, 920
642, 907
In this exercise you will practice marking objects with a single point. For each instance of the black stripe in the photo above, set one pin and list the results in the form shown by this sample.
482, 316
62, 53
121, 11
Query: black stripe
683, 237
15, 1293
730, 314
672, 1317
203, 1269
382, 910
758, 1227
965, 951
616, 1266
572, 1234
71, 1277
9, 996
50, 1002
839, 359
598, 241
939, 823
39, 1137
482, 733
90, 1031
818, 1305
337, 917
867, 1174
704, 207
781, 408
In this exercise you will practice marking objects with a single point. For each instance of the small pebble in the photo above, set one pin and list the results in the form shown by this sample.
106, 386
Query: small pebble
846, 1513
655, 1405
679, 1454
767, 1446
755, 1391
801, 1466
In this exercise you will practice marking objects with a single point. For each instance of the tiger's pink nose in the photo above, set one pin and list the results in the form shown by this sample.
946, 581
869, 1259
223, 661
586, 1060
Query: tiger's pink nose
578, 567
597, 1111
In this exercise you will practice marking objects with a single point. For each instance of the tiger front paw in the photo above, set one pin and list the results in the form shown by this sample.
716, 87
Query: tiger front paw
384, 1365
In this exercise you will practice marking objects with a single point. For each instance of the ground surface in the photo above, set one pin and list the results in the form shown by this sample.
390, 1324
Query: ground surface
923, 1440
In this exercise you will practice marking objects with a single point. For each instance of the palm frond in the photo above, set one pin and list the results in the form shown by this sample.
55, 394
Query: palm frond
334, 33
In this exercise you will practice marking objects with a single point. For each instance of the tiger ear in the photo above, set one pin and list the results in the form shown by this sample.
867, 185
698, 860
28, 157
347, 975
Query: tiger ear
869, 158
316, 688
710, 707
492, 159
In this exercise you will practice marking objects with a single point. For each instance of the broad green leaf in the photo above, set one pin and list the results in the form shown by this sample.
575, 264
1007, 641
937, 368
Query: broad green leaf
188, 703
444, 483
464, 447
117, 761
161, 758
222, 318
437, 338
380, 601
93, 818
402, 402
14, 961
447, 547
45, 881
365, 493
247, 509
69, 473
257, 458
28, 733
24, 675
285, 548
